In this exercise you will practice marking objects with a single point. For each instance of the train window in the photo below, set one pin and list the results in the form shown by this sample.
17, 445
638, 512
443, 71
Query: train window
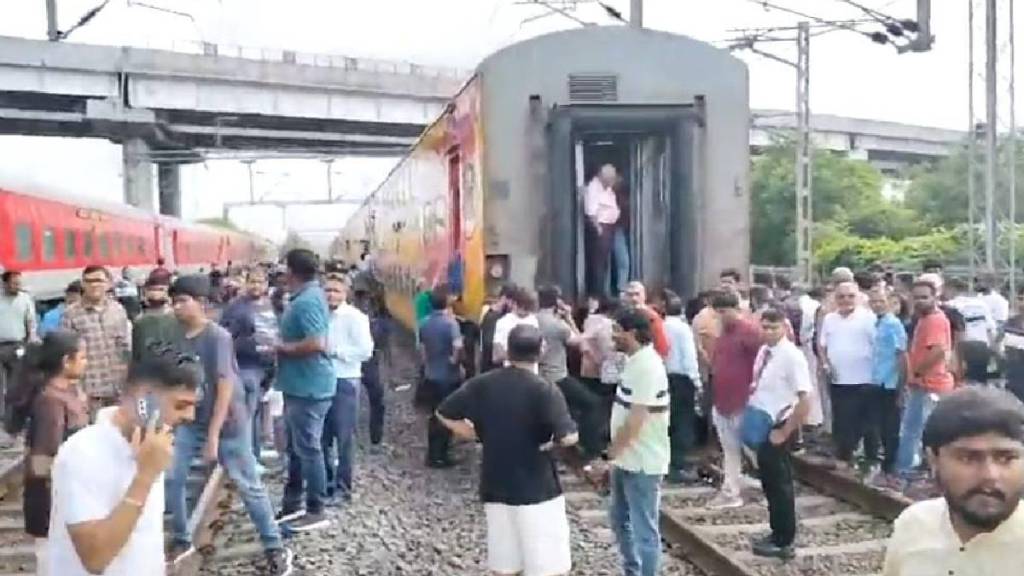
104, 246
23, 242
87, 243
49, 245
70, 245
115, 244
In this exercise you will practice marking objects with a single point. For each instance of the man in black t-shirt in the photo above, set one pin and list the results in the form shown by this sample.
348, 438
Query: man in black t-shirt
519, 418
501, 306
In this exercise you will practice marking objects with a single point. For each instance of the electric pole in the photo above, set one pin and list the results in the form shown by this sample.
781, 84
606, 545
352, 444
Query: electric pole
52, 33
803, 166
636, 13
991, 131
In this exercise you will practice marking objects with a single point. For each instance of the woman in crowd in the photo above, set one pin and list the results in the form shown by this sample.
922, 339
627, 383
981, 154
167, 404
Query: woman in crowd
49, 407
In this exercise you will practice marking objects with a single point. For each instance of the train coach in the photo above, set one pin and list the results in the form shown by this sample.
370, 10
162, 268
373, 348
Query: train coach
50, 239
493, 189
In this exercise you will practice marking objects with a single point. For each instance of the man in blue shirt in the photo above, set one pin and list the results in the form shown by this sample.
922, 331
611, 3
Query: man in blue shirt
888, 373
51, 320
305, 376
440, 351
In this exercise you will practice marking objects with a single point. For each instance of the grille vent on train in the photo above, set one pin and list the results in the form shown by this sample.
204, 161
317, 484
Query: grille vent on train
593, 88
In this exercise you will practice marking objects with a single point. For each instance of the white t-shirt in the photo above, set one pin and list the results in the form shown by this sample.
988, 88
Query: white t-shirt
91, 474
998, 306
849, 342
505, 325
780, 380
977, 318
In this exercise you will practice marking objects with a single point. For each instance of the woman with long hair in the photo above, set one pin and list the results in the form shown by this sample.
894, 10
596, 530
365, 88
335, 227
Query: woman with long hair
48, 406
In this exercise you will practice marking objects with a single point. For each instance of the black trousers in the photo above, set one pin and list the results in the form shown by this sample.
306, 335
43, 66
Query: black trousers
851, 406
884, 429
605, 394
585, 407
10, 365
598, 243
375, 395
439, 438
682, 418
776, 470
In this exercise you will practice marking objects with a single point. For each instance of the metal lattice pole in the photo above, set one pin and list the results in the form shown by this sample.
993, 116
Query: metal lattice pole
804, 213
971, 154
991, 130
1011, 146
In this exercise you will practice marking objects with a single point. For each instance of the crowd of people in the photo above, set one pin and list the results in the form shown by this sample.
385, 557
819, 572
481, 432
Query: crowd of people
907, 385
119, 395
854, 368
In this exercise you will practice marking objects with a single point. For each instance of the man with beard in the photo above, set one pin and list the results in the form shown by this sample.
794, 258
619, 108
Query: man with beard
975, 444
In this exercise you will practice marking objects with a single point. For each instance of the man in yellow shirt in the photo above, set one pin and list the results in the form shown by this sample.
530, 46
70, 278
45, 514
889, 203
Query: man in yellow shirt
975, 444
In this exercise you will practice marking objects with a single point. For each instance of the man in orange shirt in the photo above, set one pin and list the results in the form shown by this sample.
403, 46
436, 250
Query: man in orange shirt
929, 375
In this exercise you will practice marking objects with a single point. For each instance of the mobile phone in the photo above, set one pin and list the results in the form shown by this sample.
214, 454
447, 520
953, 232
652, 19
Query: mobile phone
147, 412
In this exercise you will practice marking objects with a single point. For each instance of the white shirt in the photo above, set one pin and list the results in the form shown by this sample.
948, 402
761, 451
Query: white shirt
682, 349
780, 380
600, 203
978, 322
808, 311
349, 342
505, 325
998, 306
849, 342
91, 474
17, 316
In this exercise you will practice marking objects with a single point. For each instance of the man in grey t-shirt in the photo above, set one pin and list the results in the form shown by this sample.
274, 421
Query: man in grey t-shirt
559, 330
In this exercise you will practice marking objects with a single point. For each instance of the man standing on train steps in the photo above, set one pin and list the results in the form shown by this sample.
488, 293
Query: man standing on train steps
779, 400
602, 212
519, 418
103, 326
639, 450
305, 376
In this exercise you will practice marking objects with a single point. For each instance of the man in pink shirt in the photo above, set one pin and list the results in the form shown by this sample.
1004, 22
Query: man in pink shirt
602, 212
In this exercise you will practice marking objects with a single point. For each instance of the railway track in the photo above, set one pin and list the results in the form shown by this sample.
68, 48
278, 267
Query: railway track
843, 525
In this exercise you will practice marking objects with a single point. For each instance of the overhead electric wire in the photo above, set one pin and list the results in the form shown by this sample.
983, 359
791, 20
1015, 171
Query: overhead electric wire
892, 29
83, 20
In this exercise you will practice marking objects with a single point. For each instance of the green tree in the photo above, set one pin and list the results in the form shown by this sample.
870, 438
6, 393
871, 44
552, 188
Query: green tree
845, 190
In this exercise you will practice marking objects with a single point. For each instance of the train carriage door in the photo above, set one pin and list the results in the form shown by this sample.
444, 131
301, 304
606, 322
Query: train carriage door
455, 262
649, 219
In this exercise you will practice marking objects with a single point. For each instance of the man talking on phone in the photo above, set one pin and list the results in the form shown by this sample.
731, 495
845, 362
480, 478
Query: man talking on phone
108, 488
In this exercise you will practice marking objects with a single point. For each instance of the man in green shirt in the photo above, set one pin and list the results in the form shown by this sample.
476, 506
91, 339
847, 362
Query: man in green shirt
640, 449
157, 323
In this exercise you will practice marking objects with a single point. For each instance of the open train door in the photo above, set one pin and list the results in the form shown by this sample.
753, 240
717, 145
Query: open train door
653, 147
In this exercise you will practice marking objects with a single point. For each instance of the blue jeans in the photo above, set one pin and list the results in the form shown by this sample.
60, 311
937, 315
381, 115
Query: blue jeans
340, 425
304, 421
620, 261
918, 407
235, 455
251, 380
634, 517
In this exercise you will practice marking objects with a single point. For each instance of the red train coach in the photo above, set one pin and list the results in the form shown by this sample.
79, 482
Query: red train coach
51, 239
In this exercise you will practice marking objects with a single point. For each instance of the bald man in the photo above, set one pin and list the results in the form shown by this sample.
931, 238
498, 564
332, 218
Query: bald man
602, 212
636, 297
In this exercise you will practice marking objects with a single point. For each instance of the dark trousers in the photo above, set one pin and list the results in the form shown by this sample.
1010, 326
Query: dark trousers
884, 429
375, 397
9, 363
439, 438
776, 470
340, 429
598, 247
585, 406
605, 394
682, 418
851, 407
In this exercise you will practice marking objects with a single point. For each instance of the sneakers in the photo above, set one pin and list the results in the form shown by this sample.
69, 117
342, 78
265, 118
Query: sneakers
288, 516
721, 501
682, 476
308, 522
178, 552
280, 562
767, 548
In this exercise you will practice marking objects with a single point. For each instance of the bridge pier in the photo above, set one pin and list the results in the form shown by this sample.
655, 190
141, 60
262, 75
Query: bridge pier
169, 185
138, 174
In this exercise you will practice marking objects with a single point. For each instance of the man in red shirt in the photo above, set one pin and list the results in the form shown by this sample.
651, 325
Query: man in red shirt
928, 377
636, 297
732, 365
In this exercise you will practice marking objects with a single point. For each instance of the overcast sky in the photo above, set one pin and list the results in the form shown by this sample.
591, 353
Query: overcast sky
850, 75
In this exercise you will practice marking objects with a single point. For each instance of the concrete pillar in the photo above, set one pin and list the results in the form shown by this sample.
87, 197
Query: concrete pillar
169, 176
139, 182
